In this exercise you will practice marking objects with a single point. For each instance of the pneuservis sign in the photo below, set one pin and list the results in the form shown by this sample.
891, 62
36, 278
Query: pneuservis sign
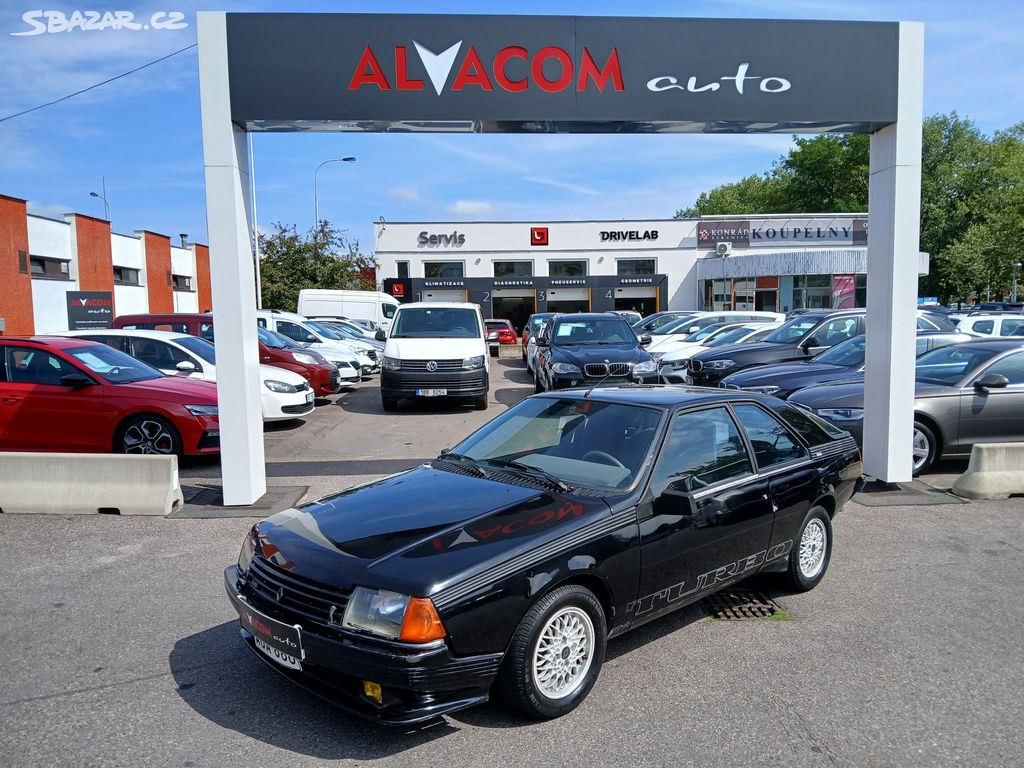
539, 73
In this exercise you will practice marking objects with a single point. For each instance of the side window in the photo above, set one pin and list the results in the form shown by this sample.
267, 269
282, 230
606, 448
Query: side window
834, 331
921, 345
261, 322
158, 354
1011, 367
926, 325
983, 326
703, 448
1009, 325
773, 443
34, 366
291, 330
206, 331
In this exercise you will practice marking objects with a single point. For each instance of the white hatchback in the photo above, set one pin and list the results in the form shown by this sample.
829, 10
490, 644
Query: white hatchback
283, 394
991, 325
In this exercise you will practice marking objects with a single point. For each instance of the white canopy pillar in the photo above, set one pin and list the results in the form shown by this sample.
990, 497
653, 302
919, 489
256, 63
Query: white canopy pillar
226, 161
894, 209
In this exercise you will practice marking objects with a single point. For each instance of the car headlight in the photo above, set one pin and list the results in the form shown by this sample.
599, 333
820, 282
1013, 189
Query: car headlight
841, 414
565, 368
719, 365
302, 357
769, 389
647, 366
278, 386
392, 364
473, 362
202, 410
248, 550
392, 615
657, 355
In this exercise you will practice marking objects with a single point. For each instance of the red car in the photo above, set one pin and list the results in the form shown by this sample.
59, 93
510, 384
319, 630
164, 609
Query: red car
506, 334
322, 376
71, 395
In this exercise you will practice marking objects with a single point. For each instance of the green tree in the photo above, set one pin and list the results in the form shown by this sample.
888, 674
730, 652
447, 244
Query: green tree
321, 258
826, 174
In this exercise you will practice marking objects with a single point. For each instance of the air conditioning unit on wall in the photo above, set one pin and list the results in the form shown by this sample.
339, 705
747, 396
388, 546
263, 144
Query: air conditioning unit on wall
723, 249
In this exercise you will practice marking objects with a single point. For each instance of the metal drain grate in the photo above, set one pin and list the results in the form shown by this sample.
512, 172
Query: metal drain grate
739, 604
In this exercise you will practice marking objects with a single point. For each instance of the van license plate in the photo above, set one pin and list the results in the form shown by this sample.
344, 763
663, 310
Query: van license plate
431, 392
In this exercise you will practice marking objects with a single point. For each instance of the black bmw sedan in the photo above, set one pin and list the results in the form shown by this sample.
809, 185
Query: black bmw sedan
587, 349
507, 563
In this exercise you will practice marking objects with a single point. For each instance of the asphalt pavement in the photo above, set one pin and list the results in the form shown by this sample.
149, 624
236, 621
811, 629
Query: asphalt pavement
121, 648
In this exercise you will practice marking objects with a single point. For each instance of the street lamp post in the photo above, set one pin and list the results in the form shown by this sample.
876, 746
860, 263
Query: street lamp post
103, 197
316, 198
1013, 290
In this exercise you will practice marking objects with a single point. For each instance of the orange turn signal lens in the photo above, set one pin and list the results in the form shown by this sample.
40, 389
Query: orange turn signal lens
372, 691
421, 623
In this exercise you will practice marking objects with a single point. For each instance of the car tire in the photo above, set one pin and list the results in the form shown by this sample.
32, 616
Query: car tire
556, 653
537, 385
389, 403
925, 448
809, 558
480, 403
147, 433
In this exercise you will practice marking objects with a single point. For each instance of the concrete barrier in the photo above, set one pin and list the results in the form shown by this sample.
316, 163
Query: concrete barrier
87, 483
996, 471
510, 351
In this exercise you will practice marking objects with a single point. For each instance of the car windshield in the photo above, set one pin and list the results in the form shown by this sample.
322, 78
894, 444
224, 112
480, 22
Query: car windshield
537, 321
596, 330
847, 353
793, 330
323, 330
950, 364
705, 333
580, 442
439, 323
344, 331
200, 347
729, 337
113, 365
271, 339
674, 325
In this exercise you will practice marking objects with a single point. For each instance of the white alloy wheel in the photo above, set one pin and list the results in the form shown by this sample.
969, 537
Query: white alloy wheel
813, 545
922, 449
563, 653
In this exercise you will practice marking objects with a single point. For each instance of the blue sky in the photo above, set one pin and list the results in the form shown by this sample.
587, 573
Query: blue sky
143, 133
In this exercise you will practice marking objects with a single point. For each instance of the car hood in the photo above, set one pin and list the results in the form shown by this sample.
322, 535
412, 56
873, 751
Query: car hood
433, 349
173, 388
850, 394
334, 350
771, 374
581, 354
418, 531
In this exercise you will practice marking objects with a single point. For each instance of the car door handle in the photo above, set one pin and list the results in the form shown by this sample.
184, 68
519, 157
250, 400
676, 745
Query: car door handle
12, 399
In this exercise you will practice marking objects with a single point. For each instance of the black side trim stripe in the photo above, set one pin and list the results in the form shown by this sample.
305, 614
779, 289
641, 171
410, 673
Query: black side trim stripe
447, 597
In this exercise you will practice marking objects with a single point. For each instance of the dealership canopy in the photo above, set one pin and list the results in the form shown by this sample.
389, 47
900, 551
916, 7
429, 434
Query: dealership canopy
521, 74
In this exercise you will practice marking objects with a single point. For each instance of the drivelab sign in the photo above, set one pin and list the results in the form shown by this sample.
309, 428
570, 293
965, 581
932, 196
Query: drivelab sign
89, 310
532, 73
752, 233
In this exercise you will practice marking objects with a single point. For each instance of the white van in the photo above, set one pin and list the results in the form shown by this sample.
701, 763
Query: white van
376, 307
435, 349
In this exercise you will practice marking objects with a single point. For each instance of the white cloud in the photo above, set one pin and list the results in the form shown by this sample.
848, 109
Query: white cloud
405, 194
53, 210
474, 208
578, 188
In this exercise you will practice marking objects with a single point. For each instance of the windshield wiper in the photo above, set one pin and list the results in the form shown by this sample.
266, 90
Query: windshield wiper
461, 458
530, 469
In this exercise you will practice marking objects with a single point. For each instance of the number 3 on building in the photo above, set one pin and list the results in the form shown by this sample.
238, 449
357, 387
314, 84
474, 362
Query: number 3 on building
541, 296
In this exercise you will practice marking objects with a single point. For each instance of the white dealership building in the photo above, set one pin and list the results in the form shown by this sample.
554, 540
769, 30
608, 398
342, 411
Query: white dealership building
774, 262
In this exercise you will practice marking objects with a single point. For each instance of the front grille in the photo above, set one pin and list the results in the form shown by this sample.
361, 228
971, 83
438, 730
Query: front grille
450, 383
372, 354
299, 598
607, 369
336, 376
723, 385
696, 365
300, 408
442, 365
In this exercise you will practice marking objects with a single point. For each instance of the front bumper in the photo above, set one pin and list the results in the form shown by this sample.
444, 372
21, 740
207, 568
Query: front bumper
462, 383
280, 406
566, 380
418, 683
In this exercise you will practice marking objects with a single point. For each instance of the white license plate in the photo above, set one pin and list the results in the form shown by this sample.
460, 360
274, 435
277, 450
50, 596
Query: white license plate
309, 398
431, 392
281, 658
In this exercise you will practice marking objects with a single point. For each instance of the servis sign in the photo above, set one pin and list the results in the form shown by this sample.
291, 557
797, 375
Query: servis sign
548, 73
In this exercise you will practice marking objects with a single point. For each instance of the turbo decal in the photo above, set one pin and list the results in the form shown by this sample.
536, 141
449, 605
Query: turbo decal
708, 580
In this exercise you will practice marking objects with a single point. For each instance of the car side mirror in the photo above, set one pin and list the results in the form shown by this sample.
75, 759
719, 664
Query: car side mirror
380, 336
991, 381
492, 336
542, 342
311, 339
810, 343
676, 504
645, 340
186, 366
694, 328
76, 381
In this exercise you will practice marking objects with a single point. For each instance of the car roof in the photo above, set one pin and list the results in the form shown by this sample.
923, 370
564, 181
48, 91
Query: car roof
1000, 344
439, 305
55, 342
578, 316
162, 315
659, 395
990, 316
139, 333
